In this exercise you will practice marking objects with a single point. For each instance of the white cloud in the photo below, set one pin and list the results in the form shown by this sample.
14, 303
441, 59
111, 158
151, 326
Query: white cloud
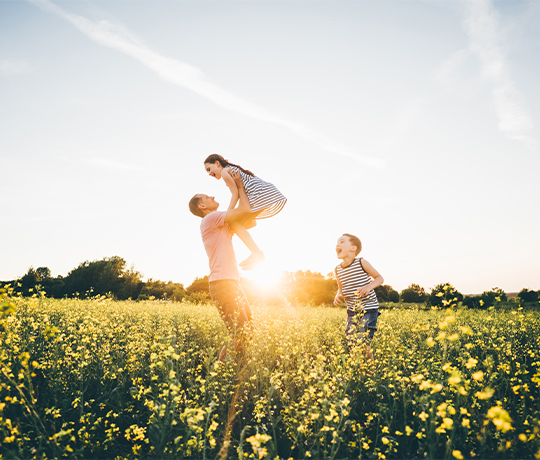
486, 41
14, 67
182, 74
108, 163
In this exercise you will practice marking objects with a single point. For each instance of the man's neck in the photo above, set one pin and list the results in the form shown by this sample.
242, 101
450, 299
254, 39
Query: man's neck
209, 212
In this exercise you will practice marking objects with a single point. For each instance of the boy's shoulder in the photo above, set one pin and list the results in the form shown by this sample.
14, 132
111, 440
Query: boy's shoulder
341, 267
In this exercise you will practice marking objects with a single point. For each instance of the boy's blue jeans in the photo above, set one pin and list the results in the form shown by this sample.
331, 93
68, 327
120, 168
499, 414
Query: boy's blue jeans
361, 327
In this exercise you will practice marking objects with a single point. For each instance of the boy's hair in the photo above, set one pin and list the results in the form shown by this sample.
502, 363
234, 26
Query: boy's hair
194, 206
224, 163
355, 242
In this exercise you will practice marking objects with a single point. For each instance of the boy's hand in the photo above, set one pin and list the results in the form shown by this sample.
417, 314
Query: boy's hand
337, 299
363, 291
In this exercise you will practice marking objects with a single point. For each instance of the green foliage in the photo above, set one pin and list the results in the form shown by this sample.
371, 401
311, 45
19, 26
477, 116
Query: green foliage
199, 285
495, 297
444, 295
393, 296
414, 294
383, 293
160, 290
308, 287
528, 296
98, 378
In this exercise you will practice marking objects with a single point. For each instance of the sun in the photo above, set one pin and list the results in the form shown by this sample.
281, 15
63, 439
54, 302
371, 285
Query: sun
266, 276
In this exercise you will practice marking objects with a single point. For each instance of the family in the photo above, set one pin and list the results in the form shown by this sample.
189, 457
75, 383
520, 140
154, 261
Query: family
252, 198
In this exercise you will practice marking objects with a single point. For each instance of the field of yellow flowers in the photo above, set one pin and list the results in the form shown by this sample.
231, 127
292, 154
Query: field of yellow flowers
103, 379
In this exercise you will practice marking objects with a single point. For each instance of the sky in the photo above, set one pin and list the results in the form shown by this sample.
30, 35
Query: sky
412, 124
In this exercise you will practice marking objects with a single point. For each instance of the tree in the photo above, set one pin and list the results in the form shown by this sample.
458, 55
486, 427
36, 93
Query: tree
309, 287
199, 285
414, 294
131, 284
393, 296
97, 277
528, 296
473, 301
444, 295
29, 280
382, 292
43, 274
490, 298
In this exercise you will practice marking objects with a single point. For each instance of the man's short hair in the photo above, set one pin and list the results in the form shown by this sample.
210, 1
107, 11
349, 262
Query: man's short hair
194, 206
355, 241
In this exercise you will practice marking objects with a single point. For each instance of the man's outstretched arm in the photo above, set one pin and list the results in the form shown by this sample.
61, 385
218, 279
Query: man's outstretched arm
243, 209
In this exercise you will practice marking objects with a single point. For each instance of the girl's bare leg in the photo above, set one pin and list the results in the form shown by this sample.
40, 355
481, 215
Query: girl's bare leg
240, 229
244, 235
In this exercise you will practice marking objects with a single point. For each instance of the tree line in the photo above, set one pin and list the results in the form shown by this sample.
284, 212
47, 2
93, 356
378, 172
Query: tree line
111, 277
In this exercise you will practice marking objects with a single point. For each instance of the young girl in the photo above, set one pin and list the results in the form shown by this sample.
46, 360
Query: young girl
264, 198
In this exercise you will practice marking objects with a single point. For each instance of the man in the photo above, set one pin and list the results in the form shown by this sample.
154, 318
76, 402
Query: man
224, 278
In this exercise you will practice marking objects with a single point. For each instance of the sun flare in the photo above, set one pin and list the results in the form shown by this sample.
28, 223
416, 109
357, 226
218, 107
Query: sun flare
267, 276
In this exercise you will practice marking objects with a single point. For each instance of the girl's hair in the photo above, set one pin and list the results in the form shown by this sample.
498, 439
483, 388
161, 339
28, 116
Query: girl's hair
223, 162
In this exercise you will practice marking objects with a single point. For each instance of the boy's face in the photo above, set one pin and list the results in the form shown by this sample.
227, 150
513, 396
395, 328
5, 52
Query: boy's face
344, 247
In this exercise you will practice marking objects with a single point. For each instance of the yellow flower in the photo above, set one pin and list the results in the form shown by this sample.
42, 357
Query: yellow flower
423, 416
430, 342
522, 437
486, 394
408, 430
436, 388
471, 363
457, 454
478, 375
466, 423
500, 418
385, 440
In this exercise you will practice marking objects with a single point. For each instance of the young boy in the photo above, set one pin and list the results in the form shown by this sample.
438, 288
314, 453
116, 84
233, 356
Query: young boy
357, 280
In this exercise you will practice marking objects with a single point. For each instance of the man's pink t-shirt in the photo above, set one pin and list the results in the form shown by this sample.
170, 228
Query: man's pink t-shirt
217, 239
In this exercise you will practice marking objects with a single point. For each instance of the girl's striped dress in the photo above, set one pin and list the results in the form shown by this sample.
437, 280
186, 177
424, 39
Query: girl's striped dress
261, 195
351, 279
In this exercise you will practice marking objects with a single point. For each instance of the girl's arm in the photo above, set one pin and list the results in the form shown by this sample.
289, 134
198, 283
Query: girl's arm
229, 181
377, 279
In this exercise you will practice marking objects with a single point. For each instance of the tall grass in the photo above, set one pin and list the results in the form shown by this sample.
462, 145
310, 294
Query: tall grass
104, 379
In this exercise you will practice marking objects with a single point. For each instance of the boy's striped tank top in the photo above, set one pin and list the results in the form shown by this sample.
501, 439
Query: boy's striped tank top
261, 195
351, 279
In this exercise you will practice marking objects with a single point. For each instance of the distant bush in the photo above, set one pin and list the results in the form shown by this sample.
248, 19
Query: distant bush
528, 296
393, 296
414, 294
444, 295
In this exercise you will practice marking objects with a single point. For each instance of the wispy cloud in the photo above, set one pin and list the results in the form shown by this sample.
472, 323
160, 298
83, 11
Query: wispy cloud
108, 163
481, 23
14, 67
182, 74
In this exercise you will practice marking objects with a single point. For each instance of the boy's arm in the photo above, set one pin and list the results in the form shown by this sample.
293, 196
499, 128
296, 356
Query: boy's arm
230, 182
339, 294
377, 279
243, 210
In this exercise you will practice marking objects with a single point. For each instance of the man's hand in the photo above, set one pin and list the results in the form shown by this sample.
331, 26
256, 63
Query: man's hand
236, 176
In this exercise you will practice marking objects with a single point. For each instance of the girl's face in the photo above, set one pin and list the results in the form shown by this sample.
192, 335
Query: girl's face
214, 169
